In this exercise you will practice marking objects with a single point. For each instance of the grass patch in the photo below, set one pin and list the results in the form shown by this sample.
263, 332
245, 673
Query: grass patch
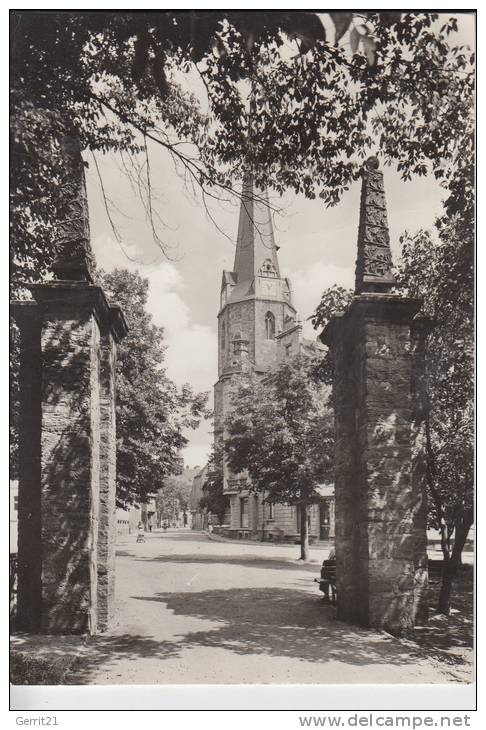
28, 669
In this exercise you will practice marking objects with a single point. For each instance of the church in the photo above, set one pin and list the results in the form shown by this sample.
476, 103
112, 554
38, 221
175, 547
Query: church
258, 327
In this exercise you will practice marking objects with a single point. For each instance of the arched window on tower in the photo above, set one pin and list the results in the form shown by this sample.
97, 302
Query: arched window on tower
269, 326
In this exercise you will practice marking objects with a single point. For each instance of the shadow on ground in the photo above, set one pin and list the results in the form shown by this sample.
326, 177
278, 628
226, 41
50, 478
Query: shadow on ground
106, 651
251, 621
441, 636
280, 622
277, 622
246, 561
182, 536
274, 622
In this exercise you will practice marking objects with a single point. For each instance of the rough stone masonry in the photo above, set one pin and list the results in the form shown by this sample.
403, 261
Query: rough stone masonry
377, 349
67, 446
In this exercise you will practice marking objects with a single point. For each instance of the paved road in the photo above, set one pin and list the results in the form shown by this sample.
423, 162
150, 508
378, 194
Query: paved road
193, 610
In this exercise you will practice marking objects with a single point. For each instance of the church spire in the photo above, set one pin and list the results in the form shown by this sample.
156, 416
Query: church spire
255, 245
374, 262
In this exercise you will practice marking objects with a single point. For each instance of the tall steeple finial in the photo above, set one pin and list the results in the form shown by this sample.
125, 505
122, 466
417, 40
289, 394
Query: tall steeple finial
374, 261
255, 244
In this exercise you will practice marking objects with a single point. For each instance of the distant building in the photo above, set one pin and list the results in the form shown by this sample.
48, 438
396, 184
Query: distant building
127, 520
258, 327
172, 499
199, 517
149, 514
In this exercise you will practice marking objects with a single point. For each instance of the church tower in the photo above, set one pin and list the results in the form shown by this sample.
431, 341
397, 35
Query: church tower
256, 302
257, 323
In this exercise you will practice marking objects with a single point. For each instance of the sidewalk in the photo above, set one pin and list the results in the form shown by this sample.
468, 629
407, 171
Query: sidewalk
318, 546
433, 552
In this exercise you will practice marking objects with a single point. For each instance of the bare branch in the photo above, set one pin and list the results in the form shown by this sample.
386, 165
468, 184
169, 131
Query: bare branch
116, 234
201, 176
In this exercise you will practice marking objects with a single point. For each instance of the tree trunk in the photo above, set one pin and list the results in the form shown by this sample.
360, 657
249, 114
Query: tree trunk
263, 520
452, 559
304, 534
448, 573
452, 563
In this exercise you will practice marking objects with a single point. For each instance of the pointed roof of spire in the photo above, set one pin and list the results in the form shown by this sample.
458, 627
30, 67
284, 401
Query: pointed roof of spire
374, 261
255, 243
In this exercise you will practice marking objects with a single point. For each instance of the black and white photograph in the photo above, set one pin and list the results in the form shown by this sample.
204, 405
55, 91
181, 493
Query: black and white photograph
242, 349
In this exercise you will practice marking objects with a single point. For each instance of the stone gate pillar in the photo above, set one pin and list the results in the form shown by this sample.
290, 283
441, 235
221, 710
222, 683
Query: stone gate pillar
29, 592
377, 350
67, 458
67, 528
113, 330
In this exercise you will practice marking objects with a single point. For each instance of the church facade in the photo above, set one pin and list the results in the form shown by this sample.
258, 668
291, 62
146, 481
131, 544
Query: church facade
258, 327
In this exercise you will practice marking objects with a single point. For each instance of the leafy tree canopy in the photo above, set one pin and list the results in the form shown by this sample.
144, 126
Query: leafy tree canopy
441, 271
282, 433
334, 300
175, 493
214, 500
390, 83
152, 412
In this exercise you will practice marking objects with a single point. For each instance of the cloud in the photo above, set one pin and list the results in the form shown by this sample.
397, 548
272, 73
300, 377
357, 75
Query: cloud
110, 255
308, 285
192, 348
196, 453
191, 355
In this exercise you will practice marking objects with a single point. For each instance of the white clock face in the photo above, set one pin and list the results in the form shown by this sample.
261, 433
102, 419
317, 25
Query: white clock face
269, 287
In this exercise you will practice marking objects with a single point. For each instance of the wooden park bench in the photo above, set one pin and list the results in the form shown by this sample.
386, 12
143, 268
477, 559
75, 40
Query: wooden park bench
435, 570
274, 534
327, 581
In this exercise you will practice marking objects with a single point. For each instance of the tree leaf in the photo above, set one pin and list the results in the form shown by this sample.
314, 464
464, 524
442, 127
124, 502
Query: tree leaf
140, 60
341, 21
389, 19
369, 47
354, 40
158, 64
306, 27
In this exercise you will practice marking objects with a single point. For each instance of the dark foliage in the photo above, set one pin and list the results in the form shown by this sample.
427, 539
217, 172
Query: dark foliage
152, 413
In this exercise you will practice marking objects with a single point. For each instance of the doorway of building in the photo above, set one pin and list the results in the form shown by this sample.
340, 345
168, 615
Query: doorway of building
324, 520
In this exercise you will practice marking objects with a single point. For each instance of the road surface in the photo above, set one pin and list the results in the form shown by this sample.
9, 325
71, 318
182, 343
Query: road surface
194, 610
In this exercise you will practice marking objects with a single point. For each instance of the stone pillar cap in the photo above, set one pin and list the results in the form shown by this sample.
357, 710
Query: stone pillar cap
64, 294
374, 306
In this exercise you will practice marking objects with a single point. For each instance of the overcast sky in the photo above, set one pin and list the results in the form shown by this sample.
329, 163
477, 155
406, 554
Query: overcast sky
317, 249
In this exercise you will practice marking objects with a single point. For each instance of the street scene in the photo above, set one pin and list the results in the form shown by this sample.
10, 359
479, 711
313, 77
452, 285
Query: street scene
242, 386
196, 610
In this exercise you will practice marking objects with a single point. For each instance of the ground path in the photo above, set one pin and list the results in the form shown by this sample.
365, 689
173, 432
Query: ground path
194, 610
